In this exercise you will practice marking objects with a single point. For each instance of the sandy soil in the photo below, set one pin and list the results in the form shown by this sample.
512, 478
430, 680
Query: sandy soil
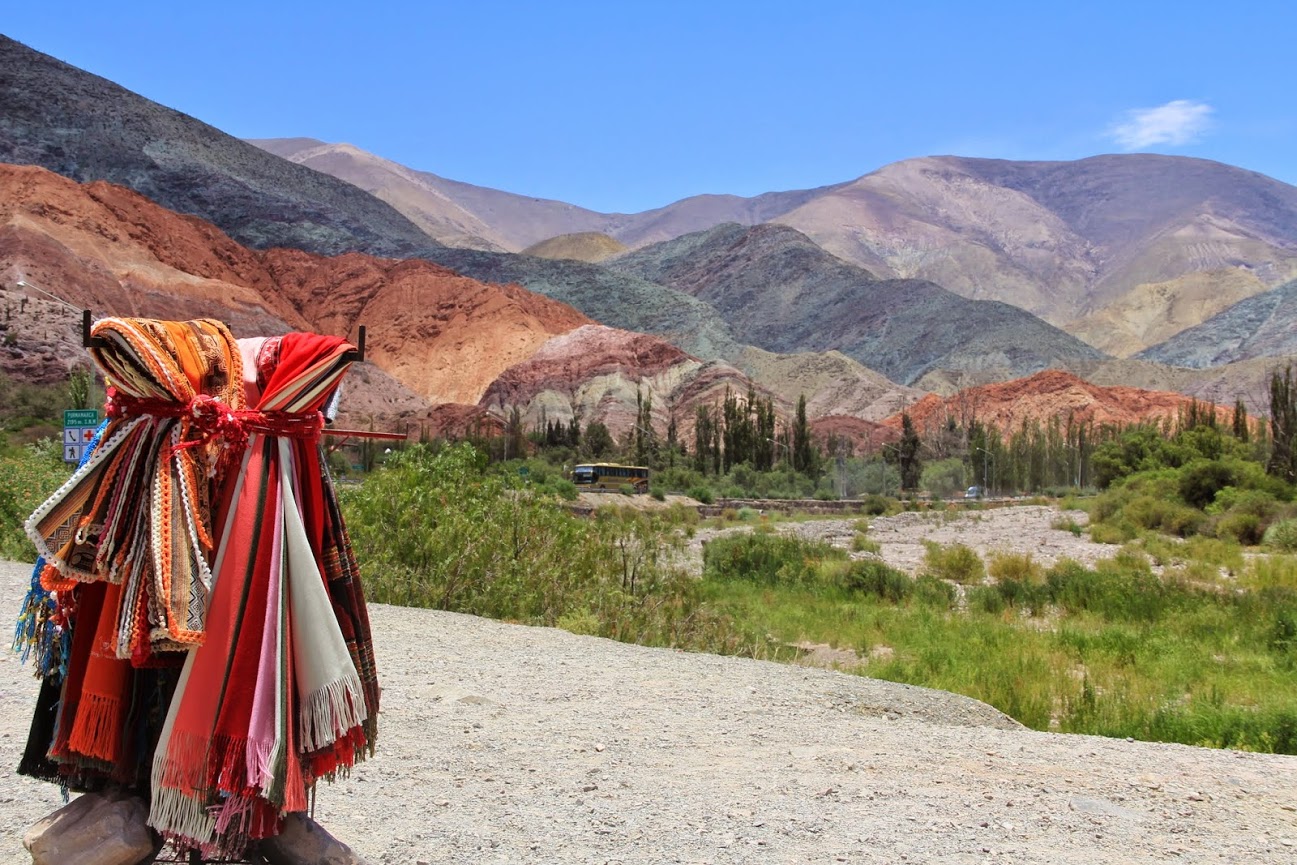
501, 743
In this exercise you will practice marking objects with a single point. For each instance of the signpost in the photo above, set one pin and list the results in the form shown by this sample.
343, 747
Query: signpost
78, 429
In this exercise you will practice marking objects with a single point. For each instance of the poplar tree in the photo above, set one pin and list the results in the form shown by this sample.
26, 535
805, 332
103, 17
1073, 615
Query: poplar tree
803, 457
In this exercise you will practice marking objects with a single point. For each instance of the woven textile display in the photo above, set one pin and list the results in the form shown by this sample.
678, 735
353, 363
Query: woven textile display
199, 620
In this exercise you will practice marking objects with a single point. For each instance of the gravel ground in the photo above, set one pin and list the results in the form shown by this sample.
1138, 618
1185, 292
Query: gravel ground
1018, 529
502, 743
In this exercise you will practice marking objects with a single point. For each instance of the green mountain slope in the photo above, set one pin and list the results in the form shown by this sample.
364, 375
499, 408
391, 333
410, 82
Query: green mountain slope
781, 292
1261, 326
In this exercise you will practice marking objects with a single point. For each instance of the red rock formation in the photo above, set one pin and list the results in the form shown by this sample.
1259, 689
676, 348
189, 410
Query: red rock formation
865, 437
105, 248
1051, 393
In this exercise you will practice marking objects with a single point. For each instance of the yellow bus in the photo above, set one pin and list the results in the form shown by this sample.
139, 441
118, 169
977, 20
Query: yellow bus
609, 476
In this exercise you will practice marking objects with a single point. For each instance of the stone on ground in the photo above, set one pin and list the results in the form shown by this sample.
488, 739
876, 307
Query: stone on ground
93, 829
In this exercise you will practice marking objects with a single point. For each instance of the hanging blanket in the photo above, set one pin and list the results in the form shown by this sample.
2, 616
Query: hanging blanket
283, 689
137, 513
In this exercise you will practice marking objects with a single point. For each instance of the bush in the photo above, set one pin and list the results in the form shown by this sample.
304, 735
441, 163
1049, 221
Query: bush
1015, 566
1112, 532
1067, 524
932, 592
1282, 536
1201, 480
436, 530
702, 494
955, 562
875, 505
28, 476
870, 576
1159, 514
766, 558
862, 544
1242, 527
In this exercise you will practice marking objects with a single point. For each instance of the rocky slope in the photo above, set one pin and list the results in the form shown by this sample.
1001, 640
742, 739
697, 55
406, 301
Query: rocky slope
1049, 394
515, 222
1151, 313
1060, 239
1082, 241
781, 292
87, 128
1261, 326
588, 246
105, 248
597, 372
414, 194
833, 384
615, 299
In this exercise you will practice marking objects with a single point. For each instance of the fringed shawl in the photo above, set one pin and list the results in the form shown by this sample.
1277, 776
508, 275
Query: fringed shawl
137, 513
280, 692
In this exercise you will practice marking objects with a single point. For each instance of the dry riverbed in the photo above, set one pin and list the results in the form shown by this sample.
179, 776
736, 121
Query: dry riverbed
507, 744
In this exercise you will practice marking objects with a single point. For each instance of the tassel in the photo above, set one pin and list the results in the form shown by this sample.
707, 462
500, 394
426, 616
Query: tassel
97, 731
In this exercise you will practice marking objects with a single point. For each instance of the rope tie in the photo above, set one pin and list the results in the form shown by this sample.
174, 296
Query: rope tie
205, 418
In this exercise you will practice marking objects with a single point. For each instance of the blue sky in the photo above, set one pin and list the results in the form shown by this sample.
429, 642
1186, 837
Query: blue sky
628, 106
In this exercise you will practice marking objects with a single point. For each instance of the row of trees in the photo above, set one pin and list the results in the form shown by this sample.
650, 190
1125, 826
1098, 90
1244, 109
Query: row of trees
1058, 452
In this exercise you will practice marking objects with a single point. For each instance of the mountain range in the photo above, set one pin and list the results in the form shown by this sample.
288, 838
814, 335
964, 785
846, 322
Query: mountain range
940, 273
1107, 248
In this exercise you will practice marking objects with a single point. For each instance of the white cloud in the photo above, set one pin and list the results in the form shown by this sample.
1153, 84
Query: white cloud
1177, 122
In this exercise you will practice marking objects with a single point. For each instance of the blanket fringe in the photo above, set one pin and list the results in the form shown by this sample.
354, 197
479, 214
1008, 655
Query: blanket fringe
182, 818
97, 730
331, 712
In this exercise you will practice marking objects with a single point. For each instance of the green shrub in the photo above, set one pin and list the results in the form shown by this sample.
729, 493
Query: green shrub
1112, 532
766, 558
875, 505
1282, 536
702, 494
955, 562
1244, 528
565, 489
1201, 480
1159, 514
1015, 566
28, 476
986, 599
658, 493
862, 544
932, 592
1067, 524
870, 576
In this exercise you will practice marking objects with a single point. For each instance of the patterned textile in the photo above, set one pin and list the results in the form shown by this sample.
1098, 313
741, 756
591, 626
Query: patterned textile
202, 532
137, 514
40, 629
292, 704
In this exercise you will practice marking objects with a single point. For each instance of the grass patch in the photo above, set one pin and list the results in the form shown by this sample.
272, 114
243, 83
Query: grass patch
955, 562
29, 474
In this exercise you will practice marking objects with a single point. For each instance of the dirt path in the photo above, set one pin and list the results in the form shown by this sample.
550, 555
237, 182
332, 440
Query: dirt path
507, 744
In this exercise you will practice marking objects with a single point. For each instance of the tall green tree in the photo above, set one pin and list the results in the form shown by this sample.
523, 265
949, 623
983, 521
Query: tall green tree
1283, 425
1240, 421
907, 454
803, 455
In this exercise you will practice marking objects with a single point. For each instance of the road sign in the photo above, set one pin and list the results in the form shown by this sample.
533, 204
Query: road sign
78, 429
